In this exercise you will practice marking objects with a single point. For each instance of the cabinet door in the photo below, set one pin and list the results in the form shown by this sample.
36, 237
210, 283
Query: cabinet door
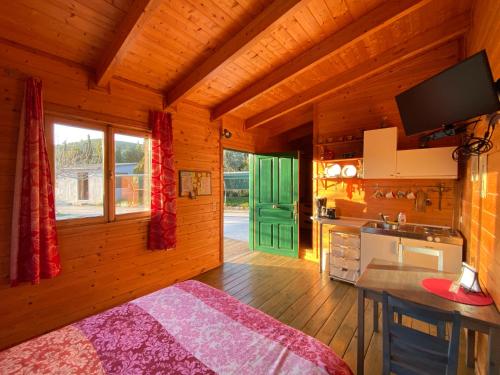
413, 252
378, 246
426, 163
379, 153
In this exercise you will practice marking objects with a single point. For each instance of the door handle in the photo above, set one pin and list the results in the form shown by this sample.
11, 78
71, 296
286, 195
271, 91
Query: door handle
275, 206
295, 209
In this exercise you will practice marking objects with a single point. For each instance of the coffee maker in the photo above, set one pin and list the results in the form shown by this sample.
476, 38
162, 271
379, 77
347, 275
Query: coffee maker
323, 211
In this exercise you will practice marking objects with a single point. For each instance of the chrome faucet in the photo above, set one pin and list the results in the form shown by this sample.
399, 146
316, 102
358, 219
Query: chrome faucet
384, 217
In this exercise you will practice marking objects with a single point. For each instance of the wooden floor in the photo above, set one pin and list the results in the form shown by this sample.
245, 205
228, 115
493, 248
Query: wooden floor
294, 292
234, 249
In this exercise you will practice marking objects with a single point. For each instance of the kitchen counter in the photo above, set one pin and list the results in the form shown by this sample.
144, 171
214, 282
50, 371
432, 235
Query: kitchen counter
342, 221
417, 232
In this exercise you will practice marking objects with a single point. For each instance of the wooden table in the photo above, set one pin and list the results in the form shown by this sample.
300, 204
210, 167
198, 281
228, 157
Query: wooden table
405, 282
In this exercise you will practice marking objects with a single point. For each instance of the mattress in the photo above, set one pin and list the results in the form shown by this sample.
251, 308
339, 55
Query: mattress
187, 328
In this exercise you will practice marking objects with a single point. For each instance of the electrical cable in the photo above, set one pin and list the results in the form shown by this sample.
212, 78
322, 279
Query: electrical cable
474, 145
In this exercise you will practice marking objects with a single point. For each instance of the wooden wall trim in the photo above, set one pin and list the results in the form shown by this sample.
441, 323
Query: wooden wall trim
78, 114
452, 29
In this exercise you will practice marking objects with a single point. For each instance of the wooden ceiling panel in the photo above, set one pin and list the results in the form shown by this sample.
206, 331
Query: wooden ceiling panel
428, 17
362, 106
78, 30
170, 48
181, 35
287, 38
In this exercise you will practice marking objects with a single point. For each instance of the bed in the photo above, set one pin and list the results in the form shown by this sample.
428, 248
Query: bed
187, 328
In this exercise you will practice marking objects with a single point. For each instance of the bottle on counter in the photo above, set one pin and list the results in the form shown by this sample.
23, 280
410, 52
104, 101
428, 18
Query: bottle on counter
401, 218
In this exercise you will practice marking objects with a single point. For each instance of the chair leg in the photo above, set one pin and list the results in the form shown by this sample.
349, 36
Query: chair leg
441, 329
375, 316
471, 342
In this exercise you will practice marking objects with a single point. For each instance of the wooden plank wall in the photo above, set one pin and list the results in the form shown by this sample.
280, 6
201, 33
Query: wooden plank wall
356, 199
368, 104
107, 264
260, 140
480, 224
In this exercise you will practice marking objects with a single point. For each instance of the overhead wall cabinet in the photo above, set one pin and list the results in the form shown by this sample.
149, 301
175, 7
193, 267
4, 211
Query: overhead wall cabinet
382, 160
379, 153
426, 163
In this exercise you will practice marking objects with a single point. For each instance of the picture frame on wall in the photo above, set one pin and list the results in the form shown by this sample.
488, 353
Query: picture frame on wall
195, 183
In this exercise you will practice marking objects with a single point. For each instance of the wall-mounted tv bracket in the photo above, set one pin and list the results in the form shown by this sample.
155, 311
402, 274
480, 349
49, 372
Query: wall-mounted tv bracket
480, 145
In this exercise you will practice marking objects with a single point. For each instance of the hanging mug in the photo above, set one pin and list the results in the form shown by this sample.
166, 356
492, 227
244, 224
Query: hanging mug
410, 195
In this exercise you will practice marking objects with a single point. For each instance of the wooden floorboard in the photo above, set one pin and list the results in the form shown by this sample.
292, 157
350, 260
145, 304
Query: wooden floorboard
234, 249
294, 292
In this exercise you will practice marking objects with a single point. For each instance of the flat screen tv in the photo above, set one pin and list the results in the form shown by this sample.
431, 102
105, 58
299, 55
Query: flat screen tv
459, 93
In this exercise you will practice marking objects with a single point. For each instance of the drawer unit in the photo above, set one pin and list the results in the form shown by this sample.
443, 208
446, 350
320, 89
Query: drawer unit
344, 255
344, 239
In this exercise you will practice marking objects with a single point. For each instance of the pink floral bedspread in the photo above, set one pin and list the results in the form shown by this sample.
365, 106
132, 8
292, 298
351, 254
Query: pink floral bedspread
188, 328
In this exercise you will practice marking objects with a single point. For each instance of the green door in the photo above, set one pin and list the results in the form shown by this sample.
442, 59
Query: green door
274, 194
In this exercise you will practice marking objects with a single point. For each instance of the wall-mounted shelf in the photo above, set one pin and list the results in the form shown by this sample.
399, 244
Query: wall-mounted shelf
328, 182
336, 143
333, 161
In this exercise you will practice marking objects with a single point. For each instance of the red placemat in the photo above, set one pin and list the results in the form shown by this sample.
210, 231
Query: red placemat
440, 288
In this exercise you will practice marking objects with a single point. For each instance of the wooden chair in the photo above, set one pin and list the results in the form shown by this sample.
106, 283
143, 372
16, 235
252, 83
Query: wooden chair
411, 352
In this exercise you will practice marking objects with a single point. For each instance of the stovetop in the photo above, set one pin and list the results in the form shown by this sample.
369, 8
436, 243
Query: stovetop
418, 232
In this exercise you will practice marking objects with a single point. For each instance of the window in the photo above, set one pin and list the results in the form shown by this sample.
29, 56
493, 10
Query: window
91, 186
79, 170
132, 174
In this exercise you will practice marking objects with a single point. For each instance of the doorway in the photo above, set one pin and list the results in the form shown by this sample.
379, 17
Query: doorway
236, 204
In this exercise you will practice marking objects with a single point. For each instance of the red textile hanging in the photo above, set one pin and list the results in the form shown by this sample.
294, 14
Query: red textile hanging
163, 191
34, 251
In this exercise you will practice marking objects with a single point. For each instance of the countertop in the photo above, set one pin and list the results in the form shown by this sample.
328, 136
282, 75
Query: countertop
352, 222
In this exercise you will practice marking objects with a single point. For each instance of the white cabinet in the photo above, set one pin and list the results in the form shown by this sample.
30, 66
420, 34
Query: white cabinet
429, 254
378, 246
427, 163
419, 253
382, 160
379, 153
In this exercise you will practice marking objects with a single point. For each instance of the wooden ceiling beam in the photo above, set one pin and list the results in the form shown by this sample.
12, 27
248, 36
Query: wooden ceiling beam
140, 11
290, 121
234, 47
366, 25
450, 30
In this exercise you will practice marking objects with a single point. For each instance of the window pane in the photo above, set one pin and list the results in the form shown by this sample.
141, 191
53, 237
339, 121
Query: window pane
132, 174
79, 190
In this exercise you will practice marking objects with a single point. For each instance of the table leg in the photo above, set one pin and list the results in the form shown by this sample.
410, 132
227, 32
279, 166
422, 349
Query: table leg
494, 351
375, 316
471, 343
361, 332
320, 248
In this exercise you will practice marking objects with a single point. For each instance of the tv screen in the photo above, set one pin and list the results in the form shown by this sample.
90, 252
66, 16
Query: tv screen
464, 91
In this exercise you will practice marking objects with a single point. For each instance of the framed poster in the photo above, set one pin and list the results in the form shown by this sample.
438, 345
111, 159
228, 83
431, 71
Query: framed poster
194, 183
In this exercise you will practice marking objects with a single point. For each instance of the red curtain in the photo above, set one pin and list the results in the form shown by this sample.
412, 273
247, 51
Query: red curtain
34, 252
163, 191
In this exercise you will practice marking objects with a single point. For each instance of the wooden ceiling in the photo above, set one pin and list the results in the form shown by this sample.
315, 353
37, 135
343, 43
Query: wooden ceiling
258, 60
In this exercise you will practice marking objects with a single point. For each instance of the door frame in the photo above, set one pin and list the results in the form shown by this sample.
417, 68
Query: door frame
221, 205
251, 181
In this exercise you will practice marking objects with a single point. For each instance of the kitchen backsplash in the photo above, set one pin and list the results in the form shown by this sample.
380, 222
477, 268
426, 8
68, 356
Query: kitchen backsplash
367, 198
